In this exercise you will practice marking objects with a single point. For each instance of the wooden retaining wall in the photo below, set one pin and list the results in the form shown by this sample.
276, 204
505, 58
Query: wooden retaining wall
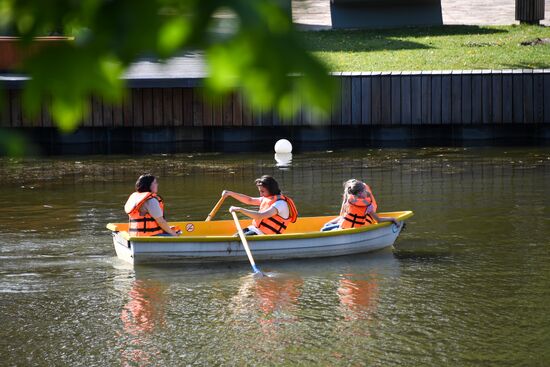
371, 98
444, 98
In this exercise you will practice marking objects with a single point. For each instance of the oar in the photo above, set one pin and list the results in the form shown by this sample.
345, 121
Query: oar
215, 209
245, 244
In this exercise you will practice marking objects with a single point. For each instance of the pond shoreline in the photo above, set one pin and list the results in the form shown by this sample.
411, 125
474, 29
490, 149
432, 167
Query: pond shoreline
90, 141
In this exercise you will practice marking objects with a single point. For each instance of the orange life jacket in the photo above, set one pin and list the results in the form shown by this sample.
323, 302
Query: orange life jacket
276, 224
142, 225
355, 214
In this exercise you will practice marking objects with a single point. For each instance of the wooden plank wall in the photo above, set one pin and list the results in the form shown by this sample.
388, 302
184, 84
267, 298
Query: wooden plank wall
373, 98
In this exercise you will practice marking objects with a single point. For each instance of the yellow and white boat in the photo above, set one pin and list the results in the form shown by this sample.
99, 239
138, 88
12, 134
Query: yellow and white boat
216, 241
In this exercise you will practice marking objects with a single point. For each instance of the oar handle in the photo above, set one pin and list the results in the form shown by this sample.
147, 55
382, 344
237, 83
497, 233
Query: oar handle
245, 243
215, 209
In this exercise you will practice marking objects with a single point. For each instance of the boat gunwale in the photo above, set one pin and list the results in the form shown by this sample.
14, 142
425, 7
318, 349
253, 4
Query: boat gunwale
279, 237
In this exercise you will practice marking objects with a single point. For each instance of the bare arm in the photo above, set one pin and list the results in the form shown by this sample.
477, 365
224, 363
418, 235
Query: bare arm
384, 219
165, 226
254, 214
245, 199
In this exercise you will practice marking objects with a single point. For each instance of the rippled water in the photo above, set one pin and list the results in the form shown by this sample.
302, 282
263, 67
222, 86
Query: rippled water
468, 283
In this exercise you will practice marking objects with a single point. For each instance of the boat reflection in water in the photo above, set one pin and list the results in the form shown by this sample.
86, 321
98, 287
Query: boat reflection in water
141, 316
273, 299
358, 294
282, 297
296, 294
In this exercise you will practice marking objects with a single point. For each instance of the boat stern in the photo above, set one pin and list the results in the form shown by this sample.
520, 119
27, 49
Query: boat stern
123, 247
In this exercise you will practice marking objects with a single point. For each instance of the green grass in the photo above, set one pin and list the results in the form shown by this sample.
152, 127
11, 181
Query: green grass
431, 48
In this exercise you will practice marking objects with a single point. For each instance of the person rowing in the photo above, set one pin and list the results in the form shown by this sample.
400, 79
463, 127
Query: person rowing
276, 210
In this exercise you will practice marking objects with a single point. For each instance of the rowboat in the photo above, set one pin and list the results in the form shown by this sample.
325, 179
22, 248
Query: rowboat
217, 241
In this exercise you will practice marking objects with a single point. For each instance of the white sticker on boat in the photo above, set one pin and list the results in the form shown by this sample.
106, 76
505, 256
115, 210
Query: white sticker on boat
189, 227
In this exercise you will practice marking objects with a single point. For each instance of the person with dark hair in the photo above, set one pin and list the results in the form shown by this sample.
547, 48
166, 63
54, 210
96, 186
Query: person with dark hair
276, 210
358, 208
145, 209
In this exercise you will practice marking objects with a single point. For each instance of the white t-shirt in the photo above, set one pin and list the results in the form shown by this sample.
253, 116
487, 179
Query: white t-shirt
282, 208
280, 205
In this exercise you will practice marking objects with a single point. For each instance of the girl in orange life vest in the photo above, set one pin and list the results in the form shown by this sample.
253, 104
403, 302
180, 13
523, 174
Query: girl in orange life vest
276, 210
358, 208
145, 209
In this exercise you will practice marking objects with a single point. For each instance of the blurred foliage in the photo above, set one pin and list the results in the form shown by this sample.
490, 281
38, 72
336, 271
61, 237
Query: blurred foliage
259, 52
14, 144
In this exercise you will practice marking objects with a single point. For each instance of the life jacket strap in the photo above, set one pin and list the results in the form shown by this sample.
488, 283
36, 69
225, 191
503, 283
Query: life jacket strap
281, 225
142, 220
145, 230
355, 219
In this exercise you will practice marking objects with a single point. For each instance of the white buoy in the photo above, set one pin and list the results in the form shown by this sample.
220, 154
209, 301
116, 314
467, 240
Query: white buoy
283, 146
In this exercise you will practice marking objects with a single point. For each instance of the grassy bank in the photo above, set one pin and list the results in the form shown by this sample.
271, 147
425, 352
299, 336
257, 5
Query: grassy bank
434, 48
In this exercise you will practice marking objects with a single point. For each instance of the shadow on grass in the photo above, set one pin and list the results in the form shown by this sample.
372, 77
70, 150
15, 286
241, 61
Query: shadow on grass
529, 65
387, 39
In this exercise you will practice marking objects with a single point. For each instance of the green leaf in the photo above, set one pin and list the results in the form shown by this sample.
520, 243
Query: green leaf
172, 35
68, 113
13, 144
257, 53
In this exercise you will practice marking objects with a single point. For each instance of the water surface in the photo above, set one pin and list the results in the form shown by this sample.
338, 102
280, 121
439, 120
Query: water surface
467, 284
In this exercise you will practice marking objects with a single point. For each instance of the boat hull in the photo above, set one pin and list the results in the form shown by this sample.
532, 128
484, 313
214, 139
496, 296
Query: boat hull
229, 248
